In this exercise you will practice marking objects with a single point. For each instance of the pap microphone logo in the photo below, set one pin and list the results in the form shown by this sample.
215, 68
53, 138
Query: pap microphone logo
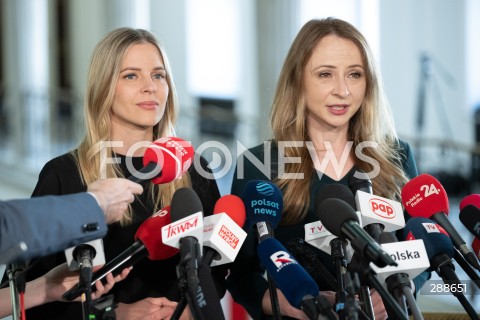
382, 208
281, 259
265, 189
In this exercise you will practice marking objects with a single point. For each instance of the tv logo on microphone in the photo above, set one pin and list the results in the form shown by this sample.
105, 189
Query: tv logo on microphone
184, 226
434, 228
281, 259
382, 208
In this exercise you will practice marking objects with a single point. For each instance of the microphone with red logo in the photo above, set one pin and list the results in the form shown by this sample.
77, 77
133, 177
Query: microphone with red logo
470, 214
424, 196
165, 160
440, 251
223, 235
148, 242
379, 214
185, 232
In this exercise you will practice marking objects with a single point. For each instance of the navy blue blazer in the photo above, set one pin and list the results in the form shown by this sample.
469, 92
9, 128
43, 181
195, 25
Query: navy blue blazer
49, 224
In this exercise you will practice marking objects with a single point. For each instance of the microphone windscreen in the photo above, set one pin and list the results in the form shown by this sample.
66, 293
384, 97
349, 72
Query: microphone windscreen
435, 238
172, 154
185, 202
472, 199
150, 234
334, 190
233, 206
424, 196
263, 202
333, 213
359, 180
289, 276
387, 237
470, 217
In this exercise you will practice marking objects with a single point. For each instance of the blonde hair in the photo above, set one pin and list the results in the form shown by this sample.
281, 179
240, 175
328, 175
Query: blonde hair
105, 65
373, 121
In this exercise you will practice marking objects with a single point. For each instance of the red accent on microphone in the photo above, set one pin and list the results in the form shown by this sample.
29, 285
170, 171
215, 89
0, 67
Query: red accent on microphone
472, 200
173, 155
150, 233
476, 247
424, 196
410, 236
233, 206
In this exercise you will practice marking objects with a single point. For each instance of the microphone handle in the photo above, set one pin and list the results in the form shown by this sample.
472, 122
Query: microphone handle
466, 267
412, 303
374, 230
446, 270
442, 219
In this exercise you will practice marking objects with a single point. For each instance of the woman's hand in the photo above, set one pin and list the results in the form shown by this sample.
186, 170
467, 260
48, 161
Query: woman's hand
60, 279
286, 309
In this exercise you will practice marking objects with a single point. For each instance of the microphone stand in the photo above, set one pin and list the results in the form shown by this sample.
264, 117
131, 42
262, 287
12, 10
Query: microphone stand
446, 270
337, 246
188, 278
16, 279
362, 267
466, 267
400, 287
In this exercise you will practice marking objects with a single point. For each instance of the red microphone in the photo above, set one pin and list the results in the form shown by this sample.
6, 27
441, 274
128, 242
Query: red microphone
425, 197
165, 160
148, 242
470, 200
233, 206
223, 235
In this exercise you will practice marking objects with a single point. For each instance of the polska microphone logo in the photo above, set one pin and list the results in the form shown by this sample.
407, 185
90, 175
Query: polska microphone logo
264, 189
281, 259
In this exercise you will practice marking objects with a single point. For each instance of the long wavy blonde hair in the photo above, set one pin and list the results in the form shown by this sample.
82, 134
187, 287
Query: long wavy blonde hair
103, 74
373, 121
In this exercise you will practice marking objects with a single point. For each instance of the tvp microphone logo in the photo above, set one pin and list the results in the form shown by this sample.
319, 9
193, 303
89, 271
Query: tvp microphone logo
382, 208
281, 259
434, 228
264, 189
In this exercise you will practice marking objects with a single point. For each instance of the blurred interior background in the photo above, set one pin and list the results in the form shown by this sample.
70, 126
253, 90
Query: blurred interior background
226, 56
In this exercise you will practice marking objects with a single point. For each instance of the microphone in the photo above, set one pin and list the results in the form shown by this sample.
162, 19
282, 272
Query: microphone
315, 232
263, 206
148, 242
378, 213
340, 219
411, 257
85, 256
223, 235
440, 251
300, 290
424, 196
185, 232
412, 260
470, 214
165, 160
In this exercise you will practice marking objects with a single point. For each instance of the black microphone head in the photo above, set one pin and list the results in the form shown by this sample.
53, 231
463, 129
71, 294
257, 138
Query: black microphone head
333, 212
359, 180
470, 217
185, 202
263, 203
435, 238
334, 190
387, 237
